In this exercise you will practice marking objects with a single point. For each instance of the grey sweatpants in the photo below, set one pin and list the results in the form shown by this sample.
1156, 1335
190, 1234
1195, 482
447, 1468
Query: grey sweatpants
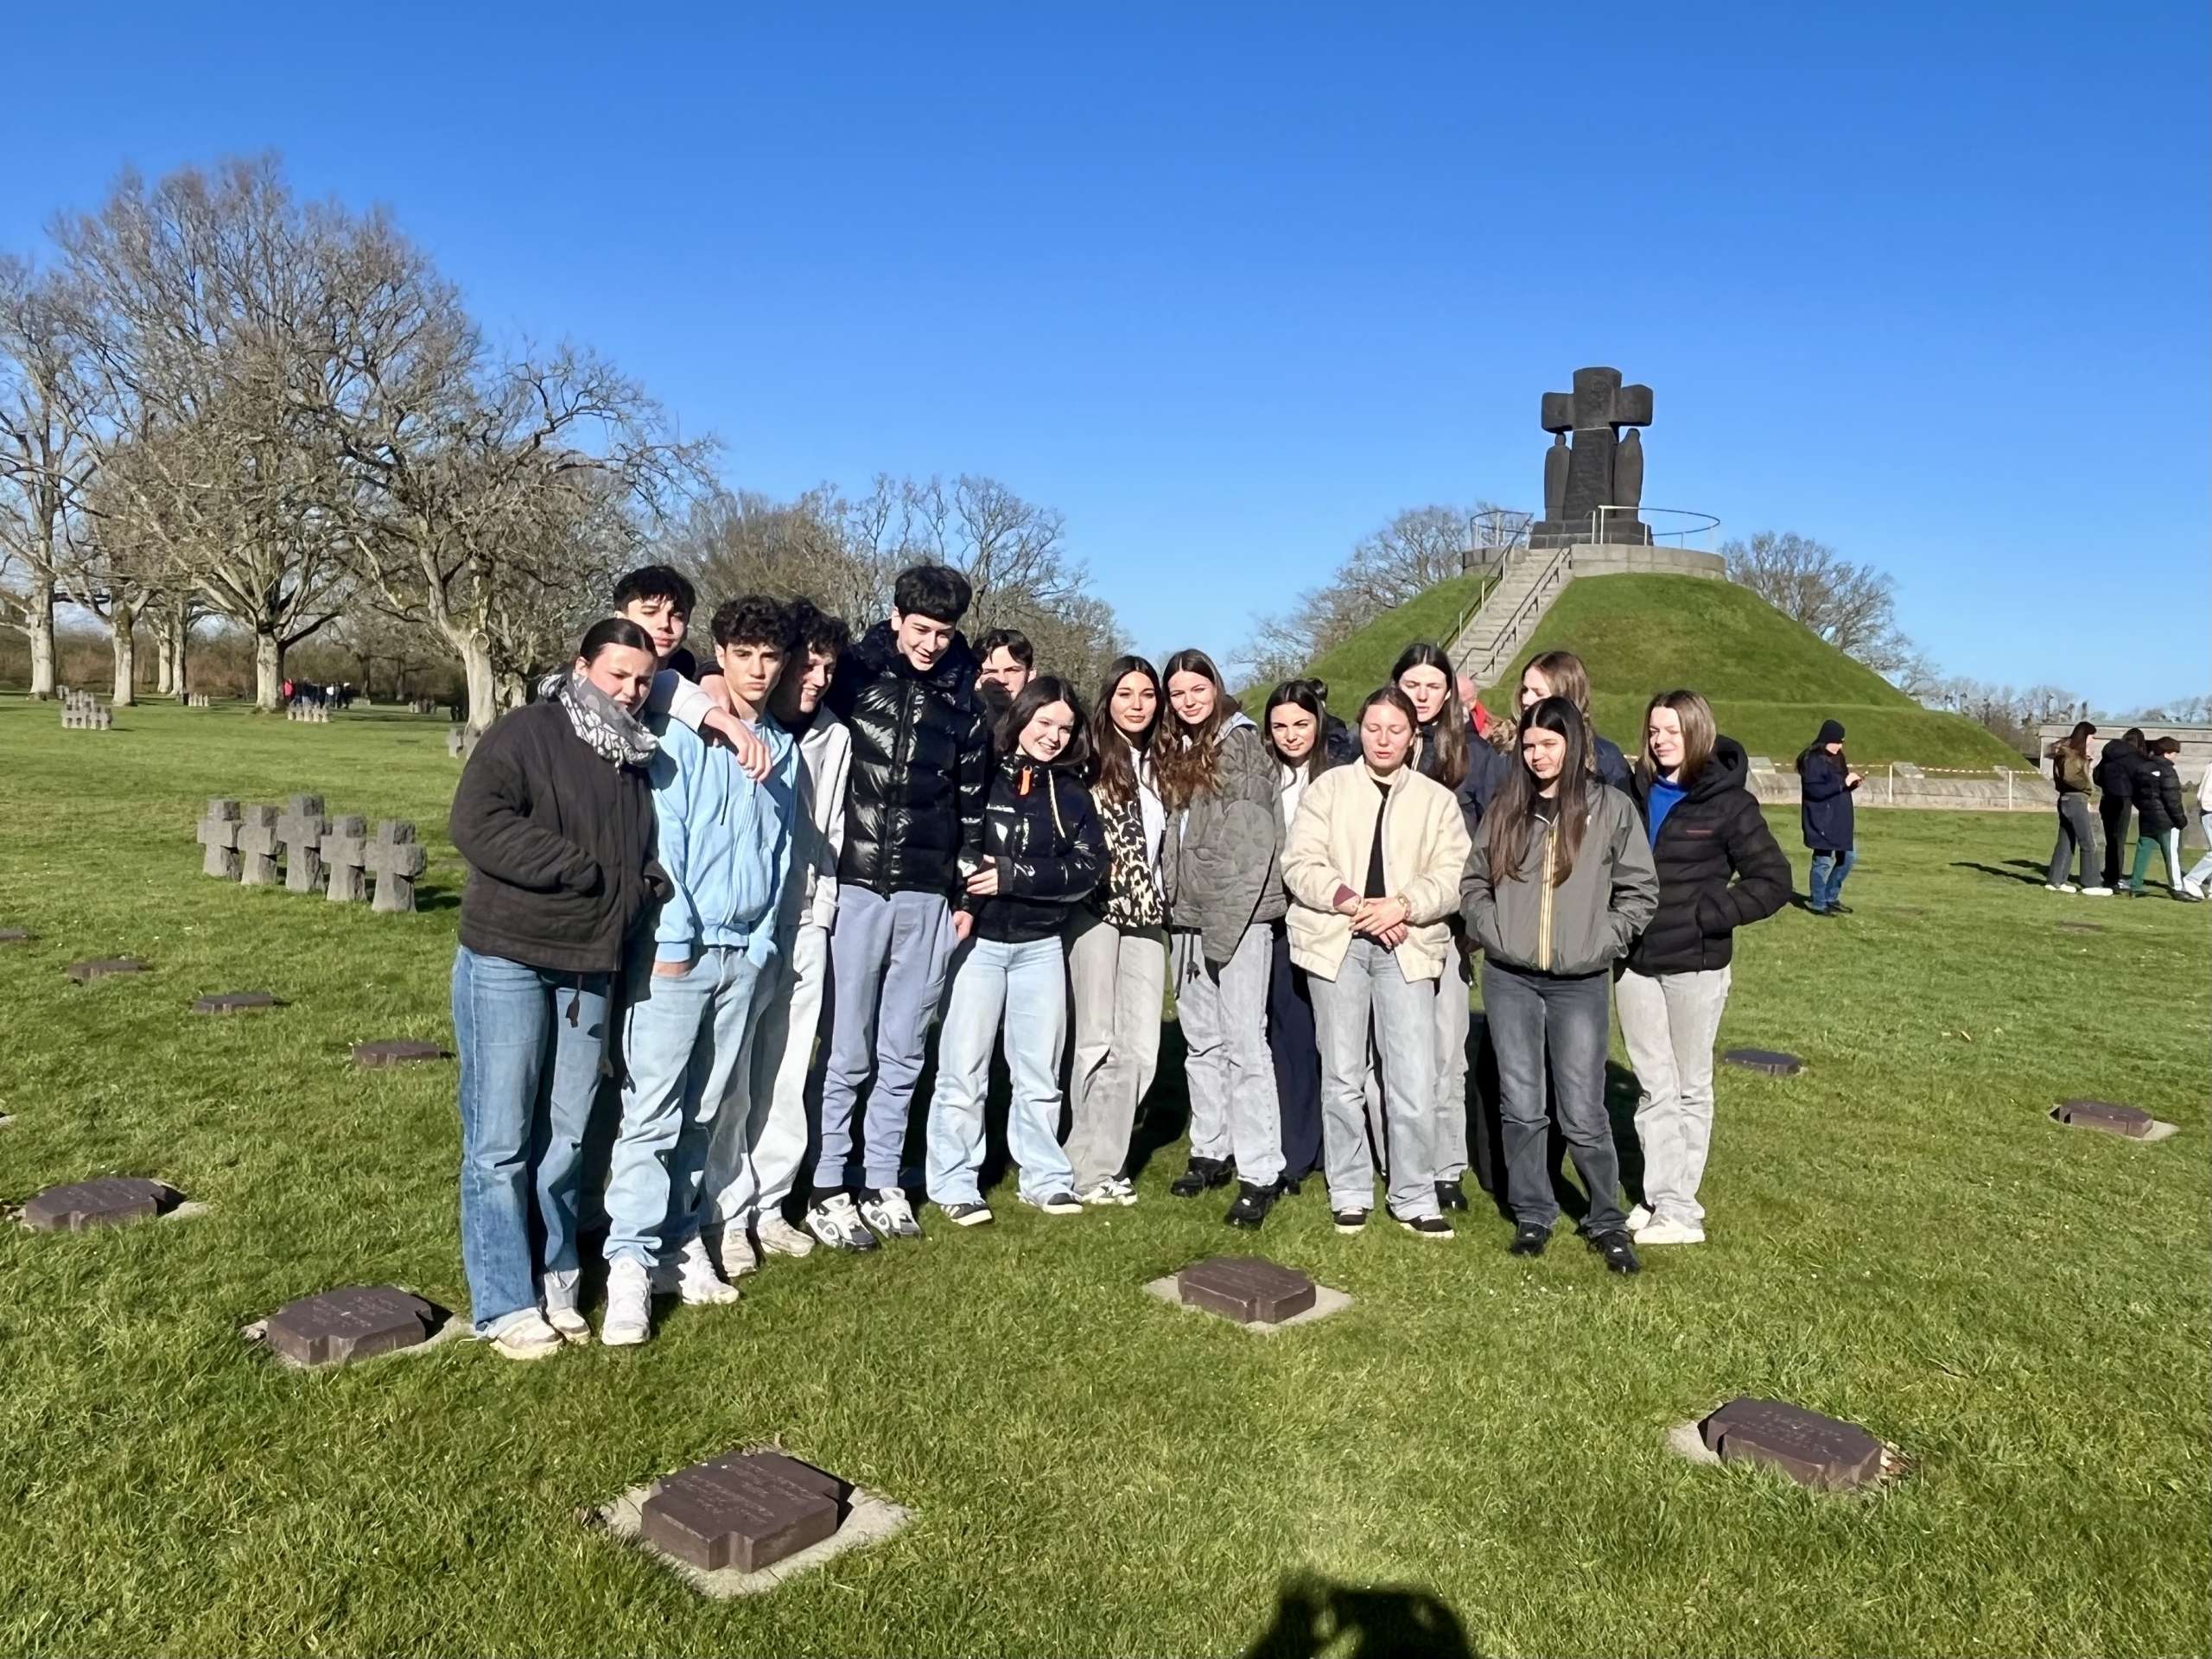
1668, 1022
887, 957
1118, 979
1228, 1069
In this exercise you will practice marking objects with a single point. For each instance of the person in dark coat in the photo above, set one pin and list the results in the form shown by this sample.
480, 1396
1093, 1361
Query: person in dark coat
555, 816
1719, 869
1826, 782
1294, 727
2114, 777
914, 798
2159, 816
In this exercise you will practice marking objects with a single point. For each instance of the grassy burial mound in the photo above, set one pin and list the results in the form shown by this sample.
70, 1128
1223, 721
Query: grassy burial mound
1771, 680
1355, 665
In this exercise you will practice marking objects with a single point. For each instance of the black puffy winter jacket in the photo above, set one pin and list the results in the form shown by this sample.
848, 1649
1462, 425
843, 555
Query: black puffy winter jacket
1713, 833
2157, 797
2118, 768
921, 766
1041, 832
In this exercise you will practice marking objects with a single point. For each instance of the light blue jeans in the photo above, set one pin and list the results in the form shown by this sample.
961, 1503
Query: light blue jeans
2201, 871
530, 1042
1371, 992
1828, 871
681, 1037
887, 970
1023, 988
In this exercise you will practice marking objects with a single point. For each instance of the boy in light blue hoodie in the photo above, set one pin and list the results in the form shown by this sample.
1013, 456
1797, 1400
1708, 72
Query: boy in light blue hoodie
725, 842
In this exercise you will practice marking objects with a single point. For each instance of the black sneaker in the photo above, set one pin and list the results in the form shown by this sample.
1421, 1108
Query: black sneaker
1349, 1221
1426, 1226
1839, 908
1451, 1196
1252, 1204
966, 1214
1619, 1254
1202, 1174
1528, 1239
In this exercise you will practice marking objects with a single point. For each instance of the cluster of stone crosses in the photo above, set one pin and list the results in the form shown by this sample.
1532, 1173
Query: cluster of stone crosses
334, 856
83, 712
316, 714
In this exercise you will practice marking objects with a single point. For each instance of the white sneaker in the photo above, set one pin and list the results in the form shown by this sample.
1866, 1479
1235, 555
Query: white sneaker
838, 1224
1102, 1194
571, 1325
2060, 887
529, 1337
734, 1254
1127, 1191
559, 1288
889, 1213
628, 1319
2194, 889
1639, 1217
698, 1284
2098, 893
1057, 1203
778, 1237
1658, 1231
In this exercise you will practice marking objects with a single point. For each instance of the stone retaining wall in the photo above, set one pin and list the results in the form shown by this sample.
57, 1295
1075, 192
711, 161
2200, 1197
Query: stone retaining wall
1942, 792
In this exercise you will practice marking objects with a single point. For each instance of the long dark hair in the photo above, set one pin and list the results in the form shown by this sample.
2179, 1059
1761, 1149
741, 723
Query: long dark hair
1041, 692
614, 631
2077, 741
2133, 737
1511, 819
1186, 759
1113, 775
1298, 694
1445, 738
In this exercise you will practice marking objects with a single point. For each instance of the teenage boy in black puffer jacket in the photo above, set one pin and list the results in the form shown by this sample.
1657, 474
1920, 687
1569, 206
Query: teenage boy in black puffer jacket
2118, 767
914, 795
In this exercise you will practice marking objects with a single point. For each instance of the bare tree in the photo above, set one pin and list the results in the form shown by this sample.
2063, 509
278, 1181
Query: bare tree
45, 461
1852, 607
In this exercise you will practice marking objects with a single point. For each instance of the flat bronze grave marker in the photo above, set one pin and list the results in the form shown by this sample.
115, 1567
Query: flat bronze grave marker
339, 1327
1772, 1062
2130, 1121
1246, 1289
15, 935
104, 968
1823, 1452
111, 1201
235, 1002
746, 1511
397, 1053
2082, 927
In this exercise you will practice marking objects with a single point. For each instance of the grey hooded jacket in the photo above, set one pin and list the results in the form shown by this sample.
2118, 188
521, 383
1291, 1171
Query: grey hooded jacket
1220, 865
1585, 923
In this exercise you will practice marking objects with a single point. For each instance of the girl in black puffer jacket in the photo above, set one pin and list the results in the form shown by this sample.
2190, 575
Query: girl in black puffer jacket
2158, 817
1718, 869
1043, 852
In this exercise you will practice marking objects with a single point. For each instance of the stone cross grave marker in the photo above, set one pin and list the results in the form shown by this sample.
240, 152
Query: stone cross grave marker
453, 741
218, 833
235, 1002
258, 846
397, 858
1245, 1289
341, 1327
104, 968
111, 1201
1814, 1451
396, 1052
300, 831
345, 857
1770, 1061
746, 1511
2113, 1118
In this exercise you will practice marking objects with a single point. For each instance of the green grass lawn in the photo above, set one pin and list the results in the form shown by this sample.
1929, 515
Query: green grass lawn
1899, 1236
1771, 681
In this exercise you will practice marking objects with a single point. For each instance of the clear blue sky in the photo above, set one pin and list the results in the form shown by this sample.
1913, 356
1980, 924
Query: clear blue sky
1230, 285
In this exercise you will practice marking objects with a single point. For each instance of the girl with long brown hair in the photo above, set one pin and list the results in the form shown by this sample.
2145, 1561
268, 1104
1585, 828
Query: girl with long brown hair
1117, 943
1218, 784
2077, 836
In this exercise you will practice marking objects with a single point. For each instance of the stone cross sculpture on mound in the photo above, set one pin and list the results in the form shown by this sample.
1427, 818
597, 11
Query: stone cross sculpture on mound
1604, 468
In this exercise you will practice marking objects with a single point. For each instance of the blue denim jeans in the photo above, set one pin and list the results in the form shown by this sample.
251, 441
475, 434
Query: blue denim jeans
1371, 994
531, 1043
888, 958
683, 1035
1828, 871
1023, 988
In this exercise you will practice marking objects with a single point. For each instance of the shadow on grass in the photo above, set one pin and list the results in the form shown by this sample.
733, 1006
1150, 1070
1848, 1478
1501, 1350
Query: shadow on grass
2035, 880
1315, 1616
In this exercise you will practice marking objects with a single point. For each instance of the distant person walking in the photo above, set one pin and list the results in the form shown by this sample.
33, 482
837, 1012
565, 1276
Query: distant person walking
555, 816
2117, 769
2077, 838
1826, 782
2158, 817
1719, 869
2201, 871
1558, 885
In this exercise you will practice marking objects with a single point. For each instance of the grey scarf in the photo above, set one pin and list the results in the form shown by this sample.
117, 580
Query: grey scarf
615, 733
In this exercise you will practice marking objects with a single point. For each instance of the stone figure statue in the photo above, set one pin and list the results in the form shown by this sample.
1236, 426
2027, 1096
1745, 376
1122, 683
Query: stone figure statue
1601, 467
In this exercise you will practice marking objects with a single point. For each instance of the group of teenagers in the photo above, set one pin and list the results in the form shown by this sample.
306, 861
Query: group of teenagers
2133, 775
745, 885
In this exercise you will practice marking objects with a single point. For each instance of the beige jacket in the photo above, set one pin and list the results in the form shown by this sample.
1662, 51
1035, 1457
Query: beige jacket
1424, 856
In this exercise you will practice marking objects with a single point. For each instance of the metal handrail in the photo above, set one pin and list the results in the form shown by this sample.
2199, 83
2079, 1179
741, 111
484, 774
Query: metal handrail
1507, 640
1482, 598
1705, 525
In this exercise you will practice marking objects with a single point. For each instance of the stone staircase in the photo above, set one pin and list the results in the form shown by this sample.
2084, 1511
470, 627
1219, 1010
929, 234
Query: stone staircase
1532, 579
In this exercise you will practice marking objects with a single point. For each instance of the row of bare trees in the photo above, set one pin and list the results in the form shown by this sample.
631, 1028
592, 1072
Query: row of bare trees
219, 402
